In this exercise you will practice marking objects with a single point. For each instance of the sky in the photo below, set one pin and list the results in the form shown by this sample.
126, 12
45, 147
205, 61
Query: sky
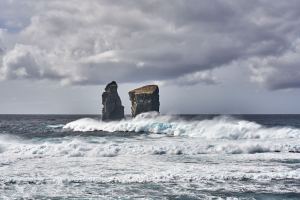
210, 56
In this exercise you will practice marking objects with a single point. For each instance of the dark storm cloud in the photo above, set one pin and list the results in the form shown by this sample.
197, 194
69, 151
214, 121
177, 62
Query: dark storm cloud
92, 42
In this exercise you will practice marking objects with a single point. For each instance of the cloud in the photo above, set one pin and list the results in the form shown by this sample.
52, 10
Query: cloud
278, 72
15, 15
204, 77
93, 42
29, 62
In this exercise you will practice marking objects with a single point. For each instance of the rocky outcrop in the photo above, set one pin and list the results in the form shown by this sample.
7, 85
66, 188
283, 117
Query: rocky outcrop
144, 99
112, 105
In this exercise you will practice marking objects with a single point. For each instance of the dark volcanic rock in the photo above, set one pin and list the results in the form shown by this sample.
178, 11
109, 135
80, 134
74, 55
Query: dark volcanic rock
144, 99
112, 105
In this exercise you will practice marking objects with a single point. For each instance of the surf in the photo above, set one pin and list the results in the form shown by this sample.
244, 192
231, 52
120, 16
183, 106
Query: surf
220, 127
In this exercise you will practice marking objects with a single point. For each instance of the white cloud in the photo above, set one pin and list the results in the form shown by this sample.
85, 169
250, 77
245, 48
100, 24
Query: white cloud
26, 61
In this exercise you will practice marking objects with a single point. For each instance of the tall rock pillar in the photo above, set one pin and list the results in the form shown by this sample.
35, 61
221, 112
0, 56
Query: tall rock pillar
112, 105
144, 99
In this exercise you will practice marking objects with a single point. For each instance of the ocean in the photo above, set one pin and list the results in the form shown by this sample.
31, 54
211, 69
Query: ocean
150, 157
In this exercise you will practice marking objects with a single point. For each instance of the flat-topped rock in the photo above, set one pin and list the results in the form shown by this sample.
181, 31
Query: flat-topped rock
144, 99
112, 105
148, 89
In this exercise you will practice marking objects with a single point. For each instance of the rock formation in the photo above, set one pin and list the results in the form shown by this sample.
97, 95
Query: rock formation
112, 105
144, 99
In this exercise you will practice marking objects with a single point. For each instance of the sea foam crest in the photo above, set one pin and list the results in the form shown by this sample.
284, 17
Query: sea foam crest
100, 147
222, 127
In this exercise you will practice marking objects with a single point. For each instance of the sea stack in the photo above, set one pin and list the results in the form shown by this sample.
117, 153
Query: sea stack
144, 99
112, 105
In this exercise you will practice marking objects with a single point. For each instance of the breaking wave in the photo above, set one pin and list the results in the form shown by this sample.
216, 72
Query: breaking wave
217, 128
99, 147
40, 160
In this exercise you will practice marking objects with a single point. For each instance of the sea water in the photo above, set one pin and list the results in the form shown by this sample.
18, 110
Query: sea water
150, 157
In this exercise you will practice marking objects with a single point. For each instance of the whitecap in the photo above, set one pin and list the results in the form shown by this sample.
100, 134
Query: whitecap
217, 128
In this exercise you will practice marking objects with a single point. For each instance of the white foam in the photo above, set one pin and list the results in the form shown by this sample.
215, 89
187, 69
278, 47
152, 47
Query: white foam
55, 167
216, 128
57, 176
56, 126
100, 147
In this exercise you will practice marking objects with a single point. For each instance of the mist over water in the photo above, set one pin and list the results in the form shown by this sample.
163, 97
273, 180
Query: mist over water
150, 157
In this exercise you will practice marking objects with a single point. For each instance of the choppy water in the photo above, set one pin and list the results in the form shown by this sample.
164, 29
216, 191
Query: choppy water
150, 157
